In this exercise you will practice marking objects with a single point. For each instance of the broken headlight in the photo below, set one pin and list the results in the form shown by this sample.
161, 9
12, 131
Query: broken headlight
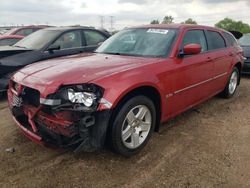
80, 97
86, 98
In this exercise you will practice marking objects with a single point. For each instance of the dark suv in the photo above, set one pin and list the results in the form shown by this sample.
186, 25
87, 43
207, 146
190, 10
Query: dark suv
245, 44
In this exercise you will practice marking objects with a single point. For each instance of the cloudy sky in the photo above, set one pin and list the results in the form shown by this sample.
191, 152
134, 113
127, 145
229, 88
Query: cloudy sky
125, 12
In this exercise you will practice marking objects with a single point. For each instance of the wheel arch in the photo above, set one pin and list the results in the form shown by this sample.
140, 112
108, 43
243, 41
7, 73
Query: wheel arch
146, 90
239, 67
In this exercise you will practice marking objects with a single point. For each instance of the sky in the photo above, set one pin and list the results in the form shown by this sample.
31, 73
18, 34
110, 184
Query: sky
125, 13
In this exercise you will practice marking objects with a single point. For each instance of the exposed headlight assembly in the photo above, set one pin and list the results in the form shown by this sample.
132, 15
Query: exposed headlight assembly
80, 97
86, 98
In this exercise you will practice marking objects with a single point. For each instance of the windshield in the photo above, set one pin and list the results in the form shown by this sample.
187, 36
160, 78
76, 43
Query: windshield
245, 40
37, 40
140, 42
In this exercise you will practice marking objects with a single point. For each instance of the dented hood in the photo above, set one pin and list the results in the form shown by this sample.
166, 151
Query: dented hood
77, 69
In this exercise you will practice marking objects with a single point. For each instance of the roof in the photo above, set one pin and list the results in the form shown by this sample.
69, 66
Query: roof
175, 26
65, 28
69, 28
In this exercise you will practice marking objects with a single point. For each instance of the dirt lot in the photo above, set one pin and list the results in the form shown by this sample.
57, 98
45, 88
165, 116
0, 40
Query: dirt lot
208, 146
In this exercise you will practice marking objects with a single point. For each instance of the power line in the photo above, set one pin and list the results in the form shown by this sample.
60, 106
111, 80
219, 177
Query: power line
111, 23
102, 21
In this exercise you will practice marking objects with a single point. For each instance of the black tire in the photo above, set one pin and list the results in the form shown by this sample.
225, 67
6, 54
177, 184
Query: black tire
226, 93
116, 130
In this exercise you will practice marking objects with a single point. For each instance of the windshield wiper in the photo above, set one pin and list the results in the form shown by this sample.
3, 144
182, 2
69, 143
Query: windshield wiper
20, 46
113, 53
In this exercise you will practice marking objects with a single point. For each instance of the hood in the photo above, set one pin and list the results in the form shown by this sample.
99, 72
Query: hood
76, 69
6, 51
246, 51
14, 62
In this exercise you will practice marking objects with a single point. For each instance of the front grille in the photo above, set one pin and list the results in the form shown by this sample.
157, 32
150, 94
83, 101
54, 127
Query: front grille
31, 96
27, 95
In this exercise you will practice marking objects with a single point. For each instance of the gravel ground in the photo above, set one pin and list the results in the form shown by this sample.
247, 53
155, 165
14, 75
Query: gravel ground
208, 146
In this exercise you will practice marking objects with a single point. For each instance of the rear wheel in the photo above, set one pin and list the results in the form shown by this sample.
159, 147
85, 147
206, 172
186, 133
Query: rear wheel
232, 84
133, 125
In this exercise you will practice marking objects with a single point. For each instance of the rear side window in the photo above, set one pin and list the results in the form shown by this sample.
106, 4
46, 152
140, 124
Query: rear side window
215, 40
93, 38
195, 37
230, 39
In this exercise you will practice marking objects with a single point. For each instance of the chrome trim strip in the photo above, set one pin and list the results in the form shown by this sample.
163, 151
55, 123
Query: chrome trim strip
220, 75
50, 102
195, 85
192, 86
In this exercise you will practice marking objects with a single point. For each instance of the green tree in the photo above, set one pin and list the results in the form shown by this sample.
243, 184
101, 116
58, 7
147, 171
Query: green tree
190, 21
155, 22
232, 25
167, 19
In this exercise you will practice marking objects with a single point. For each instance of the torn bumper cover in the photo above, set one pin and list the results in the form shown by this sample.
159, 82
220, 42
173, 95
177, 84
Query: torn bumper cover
82, 131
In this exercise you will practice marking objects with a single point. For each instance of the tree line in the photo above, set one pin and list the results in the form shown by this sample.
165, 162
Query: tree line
227, 24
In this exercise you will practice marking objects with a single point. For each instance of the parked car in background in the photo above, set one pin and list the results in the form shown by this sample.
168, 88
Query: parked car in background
245, 44
9, 40
137, 78
45, 44
26, 30
2, 31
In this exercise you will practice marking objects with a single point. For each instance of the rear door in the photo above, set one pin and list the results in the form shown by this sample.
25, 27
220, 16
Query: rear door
222, 56
192, 76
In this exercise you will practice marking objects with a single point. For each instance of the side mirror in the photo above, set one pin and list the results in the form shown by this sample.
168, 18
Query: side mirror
54, 47
191, 49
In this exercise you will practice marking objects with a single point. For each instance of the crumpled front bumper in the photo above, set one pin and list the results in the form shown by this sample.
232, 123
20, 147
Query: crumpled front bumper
85, 134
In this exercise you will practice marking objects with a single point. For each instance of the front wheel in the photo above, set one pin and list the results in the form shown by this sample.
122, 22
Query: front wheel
232, 84
133, 125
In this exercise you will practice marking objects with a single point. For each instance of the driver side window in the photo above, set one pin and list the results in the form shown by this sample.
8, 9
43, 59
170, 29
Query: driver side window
69, 40
195, 37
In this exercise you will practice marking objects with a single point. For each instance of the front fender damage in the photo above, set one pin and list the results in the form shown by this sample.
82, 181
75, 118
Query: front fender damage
77, 130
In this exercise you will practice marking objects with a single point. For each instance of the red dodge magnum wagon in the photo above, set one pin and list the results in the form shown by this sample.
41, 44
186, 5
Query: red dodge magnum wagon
120, 94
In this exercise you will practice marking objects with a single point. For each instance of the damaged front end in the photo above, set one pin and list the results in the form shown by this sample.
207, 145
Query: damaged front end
68, 119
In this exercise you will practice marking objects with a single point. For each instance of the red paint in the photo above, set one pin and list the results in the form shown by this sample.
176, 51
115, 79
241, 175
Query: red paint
192, 49
181, 82
34, 27
11, 37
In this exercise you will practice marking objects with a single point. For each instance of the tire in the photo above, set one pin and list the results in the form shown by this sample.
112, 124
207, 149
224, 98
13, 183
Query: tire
232, 84
133, 126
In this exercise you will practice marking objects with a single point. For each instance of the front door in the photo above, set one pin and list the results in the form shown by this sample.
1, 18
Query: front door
70, 43
191, 78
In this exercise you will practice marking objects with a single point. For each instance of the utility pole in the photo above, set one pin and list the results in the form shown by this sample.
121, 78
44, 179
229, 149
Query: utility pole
102, 21
111, 23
